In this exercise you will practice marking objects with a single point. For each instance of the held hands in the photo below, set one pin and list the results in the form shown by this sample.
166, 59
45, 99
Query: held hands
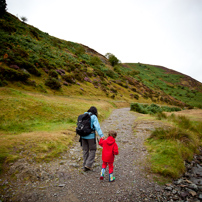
103, 137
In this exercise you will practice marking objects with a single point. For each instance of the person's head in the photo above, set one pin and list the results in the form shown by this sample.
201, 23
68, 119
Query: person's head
93, 110
112, 133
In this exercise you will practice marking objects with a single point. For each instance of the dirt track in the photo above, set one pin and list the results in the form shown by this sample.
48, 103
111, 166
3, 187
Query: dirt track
64, 180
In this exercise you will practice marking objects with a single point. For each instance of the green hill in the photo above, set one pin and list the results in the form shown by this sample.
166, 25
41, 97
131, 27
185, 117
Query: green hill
34, 61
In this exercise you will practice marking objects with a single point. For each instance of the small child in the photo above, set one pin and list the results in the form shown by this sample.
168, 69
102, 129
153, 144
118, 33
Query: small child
110, 149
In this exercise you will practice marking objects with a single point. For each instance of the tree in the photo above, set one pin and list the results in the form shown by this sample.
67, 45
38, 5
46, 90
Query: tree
24, 19
3, 6
112, 59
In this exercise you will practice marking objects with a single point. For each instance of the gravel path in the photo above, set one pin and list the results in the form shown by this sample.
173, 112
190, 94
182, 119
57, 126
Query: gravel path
64, 180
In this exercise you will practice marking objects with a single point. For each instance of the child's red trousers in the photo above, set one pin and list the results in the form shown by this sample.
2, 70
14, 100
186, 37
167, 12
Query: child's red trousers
110, 164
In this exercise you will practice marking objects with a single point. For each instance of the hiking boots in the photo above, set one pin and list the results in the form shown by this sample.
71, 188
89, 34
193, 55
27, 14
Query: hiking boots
111, 177
102, 174
87, 169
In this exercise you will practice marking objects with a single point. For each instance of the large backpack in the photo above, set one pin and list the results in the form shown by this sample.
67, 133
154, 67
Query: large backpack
84, 124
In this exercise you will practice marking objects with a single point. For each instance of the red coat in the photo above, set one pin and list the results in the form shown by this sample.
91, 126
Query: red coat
110, 148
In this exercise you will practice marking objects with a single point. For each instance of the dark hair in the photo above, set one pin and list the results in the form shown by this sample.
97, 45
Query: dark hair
112, 133
93, 110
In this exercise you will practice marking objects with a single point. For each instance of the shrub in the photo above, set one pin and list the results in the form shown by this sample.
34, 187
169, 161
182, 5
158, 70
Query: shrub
24, 19
14, 75
111, 74
53, 83
44, 63
80, 50
112, 59
134, 89
95, 61
29, 67
79, 76
71, 66
6, 26
99, 72
153, 109
138, 108
113, 90
53, 73
199, 106
136, 96
2, 82
134, 72
117, 69
68, 78
34, 33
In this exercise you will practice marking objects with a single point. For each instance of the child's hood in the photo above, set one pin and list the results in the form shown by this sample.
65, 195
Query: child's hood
110, 140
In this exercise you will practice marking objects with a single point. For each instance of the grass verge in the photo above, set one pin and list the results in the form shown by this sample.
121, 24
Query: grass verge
170, 146
40, 127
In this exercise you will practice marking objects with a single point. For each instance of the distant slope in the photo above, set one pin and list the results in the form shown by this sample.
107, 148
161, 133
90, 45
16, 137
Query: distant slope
32, 60
170, 82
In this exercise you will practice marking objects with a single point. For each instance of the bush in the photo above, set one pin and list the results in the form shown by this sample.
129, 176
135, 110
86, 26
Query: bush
112, 59
134, 72
80, 50
111, 74
53, 73
29, 67
95, 61
99, 73
6, 26
117, 69
79, 76
2, 82
53, 83
14, 75
199, 106
138, 108
68, 78
136, 96
113, 90
152, 109
71, 66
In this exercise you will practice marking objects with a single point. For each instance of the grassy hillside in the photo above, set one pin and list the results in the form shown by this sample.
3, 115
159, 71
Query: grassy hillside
175, 84
34, 61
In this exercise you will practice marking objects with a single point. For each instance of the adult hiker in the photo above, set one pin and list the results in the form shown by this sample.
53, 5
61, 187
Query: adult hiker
88, 141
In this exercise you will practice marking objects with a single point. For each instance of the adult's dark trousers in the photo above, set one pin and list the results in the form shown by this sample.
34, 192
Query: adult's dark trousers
89, 149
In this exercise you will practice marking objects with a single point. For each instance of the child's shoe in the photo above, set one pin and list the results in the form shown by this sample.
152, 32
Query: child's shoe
102, 174
111, 177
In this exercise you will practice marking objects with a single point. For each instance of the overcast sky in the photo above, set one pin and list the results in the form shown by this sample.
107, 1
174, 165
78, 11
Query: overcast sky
159, 32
